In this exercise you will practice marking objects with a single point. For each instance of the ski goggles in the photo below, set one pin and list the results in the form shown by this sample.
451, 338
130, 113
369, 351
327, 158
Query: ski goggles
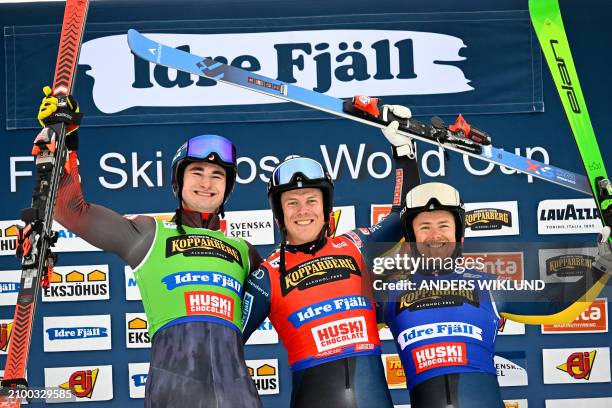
284, 172
424, 194
201, 147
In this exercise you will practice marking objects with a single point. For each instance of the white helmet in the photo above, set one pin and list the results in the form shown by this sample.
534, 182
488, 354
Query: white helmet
431, 197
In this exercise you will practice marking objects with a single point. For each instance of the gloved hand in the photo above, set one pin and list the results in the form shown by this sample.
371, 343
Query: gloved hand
53, 111
603, 260
404, 145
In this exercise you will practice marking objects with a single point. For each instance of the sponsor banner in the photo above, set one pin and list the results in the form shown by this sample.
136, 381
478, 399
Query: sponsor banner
265, 375
265, 334
8, 236
520, 403
378, 212
346, 219
340, 333
9, 287
67, 241
438, 330
218, 279
209, 303
89, 383
489, 219
6, 328
137, 331
420, 62
77, 333
439, 355
576, 365
385, 333
256, 226
511, 368
137, 376
579, 216
76, 283
565, 264
605, 402
131, 288
509, 327
328, 308
593, 320
508, 265
394, 371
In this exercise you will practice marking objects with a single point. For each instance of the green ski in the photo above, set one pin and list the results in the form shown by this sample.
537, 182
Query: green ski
548, 25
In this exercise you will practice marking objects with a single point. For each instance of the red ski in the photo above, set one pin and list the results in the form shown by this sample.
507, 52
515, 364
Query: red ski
36, 237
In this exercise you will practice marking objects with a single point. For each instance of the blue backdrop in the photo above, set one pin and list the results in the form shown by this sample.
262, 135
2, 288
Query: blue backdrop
528, 115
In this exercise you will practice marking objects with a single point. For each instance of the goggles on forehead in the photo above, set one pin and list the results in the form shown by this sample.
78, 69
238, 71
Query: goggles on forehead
284, 173
423, 195
201, 147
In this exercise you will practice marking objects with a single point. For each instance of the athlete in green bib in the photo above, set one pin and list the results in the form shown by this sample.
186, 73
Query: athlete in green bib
190, 275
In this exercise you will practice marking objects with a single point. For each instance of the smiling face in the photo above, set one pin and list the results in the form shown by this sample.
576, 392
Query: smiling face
303, 214
203, 187
435, 233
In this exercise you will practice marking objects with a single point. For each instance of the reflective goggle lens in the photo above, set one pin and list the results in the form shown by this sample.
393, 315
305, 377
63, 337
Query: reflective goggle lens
286, 170
201, 147
421, 195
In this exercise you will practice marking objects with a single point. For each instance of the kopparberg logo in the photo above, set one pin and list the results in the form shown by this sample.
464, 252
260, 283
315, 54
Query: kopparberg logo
319, 271
488, 219
437, 298
202, 278
382, 62
201, 245
569, 265
70, 333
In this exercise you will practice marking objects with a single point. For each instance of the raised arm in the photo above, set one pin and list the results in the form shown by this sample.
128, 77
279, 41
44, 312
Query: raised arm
129, 238
385, 235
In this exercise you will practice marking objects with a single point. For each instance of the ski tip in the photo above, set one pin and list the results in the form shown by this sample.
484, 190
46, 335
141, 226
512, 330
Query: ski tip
133, 36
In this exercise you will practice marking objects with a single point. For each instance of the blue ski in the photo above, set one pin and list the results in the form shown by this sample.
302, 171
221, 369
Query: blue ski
460, 137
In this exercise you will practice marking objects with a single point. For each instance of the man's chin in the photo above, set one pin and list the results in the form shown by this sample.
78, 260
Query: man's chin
298, 235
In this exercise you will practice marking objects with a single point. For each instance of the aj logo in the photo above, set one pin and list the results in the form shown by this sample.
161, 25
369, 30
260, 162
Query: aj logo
579, 365
81, 383
5, 335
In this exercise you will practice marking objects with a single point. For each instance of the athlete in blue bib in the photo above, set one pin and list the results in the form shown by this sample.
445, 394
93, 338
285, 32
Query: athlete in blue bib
444, 321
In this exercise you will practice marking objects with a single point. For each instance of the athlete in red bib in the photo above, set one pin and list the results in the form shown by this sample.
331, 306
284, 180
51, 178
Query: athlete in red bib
316, 288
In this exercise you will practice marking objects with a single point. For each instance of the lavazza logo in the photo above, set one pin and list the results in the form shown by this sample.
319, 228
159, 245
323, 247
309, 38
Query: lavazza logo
579, 216
381, 62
